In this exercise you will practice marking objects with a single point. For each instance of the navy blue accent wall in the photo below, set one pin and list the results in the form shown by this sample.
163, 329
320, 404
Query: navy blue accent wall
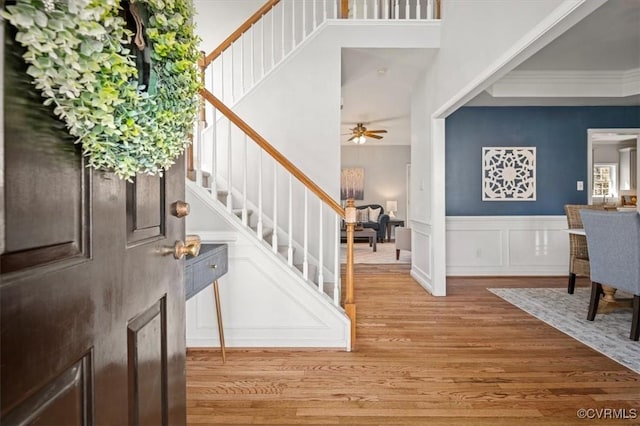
560, 137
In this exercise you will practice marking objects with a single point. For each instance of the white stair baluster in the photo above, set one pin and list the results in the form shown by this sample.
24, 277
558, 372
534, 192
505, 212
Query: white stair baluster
336, 264
273, 38
283, 25
214, 152
366, 9
222, 77
251, 56
245, 215
274, 236
429, 9
241, 64
376, 10
314, 15
259, 227
397, 9
335, 9
324, 10
229, 162
355, 9
293, 25
320, 251
418, 11
386, 9
305, 261
198, 151
231, 74
262, 48
304, 19
407, 11
290, 245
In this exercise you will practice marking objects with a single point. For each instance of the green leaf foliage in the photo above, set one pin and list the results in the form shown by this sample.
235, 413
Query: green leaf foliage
78, 58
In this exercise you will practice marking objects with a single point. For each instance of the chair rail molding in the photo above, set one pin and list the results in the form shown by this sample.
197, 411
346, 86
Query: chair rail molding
507, 245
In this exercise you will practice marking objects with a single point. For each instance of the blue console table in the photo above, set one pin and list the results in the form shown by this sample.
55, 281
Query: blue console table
203, 270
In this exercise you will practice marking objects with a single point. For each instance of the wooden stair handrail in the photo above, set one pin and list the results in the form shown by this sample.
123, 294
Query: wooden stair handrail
272, 151
237, 33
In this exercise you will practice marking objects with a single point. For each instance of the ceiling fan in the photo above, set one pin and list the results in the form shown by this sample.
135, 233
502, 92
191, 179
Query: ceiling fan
360, 133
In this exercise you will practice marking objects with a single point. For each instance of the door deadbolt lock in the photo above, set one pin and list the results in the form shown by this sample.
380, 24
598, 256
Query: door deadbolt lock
180, 209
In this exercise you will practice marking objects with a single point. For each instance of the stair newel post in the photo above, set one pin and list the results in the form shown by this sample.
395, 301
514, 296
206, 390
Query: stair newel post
344, 9
305, 260
245, 216
349, 303
320, 250
336, 264
290, 230
259, 226
274, 237
229, 174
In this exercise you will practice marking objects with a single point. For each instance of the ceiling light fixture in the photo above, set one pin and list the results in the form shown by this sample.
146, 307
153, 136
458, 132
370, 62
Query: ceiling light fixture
359, 140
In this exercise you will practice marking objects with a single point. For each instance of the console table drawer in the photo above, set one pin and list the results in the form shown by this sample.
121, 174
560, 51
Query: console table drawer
208, 266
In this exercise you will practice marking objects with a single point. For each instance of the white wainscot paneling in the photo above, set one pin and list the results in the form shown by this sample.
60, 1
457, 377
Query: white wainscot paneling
507, 245
477, 247
421, 251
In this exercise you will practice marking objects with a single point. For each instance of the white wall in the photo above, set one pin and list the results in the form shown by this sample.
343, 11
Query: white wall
216, 19
481, 41
384, 173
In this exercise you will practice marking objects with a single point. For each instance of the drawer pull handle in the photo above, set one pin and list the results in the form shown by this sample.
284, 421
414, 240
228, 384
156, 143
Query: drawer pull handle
214, 266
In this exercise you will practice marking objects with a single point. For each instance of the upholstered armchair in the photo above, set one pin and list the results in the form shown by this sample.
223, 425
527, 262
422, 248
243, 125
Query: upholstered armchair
403, 240
613, 239
578, 252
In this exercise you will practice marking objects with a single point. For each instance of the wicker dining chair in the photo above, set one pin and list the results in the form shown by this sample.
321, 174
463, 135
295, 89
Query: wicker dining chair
578, 252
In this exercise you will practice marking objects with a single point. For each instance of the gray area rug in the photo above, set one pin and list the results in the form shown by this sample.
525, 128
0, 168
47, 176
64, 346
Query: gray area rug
386, 253
608, 333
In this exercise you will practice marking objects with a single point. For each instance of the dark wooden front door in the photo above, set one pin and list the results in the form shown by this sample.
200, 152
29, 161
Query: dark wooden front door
92, 299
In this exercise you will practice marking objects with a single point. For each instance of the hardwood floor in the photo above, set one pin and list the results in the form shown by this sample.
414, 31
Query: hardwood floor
467, 359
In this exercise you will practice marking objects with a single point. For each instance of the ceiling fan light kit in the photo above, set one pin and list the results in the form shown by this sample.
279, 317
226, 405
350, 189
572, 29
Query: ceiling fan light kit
360, 134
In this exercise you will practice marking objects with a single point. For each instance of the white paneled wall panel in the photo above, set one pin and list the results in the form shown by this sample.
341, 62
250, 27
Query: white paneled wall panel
474, 247
507, 245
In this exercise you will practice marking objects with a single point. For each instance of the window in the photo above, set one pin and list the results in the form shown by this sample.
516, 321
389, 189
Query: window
605, 182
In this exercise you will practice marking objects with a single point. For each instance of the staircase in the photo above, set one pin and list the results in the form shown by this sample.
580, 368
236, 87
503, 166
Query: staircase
241, 177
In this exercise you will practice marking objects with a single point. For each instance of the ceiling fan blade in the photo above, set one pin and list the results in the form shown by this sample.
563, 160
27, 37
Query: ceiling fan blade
352, 138
377, 131
374, 136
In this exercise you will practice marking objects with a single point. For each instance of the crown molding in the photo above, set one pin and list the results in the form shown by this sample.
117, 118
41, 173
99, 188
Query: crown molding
573, 84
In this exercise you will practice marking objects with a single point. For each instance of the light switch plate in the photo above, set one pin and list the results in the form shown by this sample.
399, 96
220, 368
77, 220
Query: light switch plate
580, 185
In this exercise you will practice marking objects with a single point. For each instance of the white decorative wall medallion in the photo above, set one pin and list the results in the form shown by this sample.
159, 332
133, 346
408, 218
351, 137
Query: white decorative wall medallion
508, 173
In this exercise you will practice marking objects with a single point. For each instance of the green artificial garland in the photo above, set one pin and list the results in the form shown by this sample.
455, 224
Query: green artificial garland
79, 57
